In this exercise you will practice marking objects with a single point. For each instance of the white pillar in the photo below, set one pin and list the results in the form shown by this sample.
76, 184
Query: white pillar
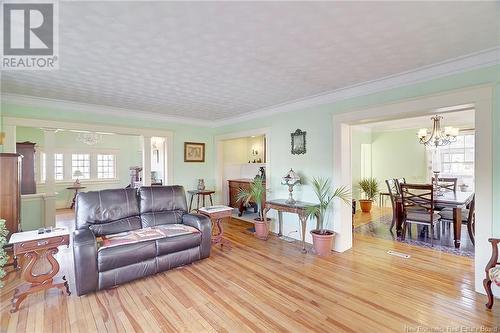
10, 139
50, 183
146, 160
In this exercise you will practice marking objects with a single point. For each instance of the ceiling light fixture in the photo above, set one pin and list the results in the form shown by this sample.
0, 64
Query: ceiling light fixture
438, 136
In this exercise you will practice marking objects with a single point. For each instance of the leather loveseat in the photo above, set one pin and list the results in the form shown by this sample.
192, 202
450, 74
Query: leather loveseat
107, 212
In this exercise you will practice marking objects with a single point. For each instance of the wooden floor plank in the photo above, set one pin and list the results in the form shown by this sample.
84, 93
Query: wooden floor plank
269, 286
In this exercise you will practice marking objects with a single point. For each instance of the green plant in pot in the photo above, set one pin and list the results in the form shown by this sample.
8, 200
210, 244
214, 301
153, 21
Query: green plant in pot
3, 254
323, 237
369, 186
255, 193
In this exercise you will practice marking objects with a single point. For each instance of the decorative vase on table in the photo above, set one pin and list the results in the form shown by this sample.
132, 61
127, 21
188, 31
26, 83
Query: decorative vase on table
201, 184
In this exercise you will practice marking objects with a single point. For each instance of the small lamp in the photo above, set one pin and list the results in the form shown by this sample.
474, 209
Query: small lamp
77, 174
290, 179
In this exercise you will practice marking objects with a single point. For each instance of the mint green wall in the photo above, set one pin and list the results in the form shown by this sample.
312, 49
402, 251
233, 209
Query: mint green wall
317, 121
398, 154
185, 174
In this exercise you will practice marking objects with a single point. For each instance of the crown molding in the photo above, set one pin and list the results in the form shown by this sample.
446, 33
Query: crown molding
33, 101
481, 59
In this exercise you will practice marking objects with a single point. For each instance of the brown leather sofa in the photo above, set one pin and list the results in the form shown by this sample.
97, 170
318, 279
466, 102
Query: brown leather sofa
100, 213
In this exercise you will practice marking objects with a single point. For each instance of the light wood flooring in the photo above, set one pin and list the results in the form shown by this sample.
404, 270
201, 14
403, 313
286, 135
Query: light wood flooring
270, 286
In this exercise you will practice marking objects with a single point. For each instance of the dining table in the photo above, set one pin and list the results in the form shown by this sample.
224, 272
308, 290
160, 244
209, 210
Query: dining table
446, 199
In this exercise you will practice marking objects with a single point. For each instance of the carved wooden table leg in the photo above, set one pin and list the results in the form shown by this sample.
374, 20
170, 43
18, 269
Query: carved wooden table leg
218, 237
303, 225
38, 282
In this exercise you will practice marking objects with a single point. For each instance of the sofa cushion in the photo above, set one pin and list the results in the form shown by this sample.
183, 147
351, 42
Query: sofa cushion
162, 205
108, 211
123, 255
177, 243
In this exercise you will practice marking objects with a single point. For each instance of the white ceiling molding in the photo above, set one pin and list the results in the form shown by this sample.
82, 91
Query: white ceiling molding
32, 101
458, 65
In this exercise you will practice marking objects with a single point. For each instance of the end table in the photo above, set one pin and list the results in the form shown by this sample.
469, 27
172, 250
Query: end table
37, 246
76, 188
216, 214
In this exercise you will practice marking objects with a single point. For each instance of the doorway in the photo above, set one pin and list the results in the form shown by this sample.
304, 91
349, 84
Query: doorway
480, 98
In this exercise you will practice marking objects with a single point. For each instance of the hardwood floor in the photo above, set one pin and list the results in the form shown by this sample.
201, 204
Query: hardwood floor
375, 214
270, 286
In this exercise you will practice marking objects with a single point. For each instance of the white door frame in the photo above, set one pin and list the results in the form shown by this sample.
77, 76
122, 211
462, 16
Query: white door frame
481, 98
219, 154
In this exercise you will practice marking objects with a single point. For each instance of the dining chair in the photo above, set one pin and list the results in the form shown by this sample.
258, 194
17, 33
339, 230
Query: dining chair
393, 191
399, 181
418, 206
447, 184
468, 218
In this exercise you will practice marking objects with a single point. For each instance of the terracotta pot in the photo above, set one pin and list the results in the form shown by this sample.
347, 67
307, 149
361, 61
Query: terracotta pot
366, 205
322, 242
261, 230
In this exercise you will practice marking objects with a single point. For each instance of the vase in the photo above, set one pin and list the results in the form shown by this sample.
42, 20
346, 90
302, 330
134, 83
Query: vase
201, 184
261, 229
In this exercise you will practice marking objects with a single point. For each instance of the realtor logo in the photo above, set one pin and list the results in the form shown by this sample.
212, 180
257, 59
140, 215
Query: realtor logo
29, 36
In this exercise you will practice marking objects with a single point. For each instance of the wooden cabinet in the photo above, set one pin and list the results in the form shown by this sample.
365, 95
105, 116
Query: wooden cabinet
27, 150
234, 187
10, 195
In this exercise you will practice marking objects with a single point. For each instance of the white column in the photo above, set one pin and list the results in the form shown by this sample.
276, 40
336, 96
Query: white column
10, 139
50, 183
146, 160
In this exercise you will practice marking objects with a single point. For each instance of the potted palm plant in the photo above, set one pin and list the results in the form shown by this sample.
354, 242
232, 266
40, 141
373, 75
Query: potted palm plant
369, 186
255, 193
322, 237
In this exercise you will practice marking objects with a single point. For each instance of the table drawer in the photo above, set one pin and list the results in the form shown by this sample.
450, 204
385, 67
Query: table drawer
45, 243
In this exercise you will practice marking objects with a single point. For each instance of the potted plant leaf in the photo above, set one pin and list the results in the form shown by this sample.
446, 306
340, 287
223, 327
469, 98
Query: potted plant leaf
255, 193
369, 186
3, 254
322, 237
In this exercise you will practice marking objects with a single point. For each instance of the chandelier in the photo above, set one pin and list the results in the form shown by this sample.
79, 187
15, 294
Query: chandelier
438, 137
89, 138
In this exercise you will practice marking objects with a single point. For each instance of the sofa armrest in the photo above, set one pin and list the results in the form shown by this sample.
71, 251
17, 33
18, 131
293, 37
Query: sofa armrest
202, 223
85, 260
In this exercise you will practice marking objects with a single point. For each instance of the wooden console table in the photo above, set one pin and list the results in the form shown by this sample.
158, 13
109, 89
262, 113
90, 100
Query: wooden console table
298, 208
35, 247
216, 214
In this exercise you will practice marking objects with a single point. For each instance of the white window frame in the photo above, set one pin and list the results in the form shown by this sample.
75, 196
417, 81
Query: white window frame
112, 167
68, 166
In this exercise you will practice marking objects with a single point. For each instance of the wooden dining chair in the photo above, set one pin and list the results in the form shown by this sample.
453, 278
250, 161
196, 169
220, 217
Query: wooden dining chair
399, 181
393, 191
418, 206
468, 218
447, 184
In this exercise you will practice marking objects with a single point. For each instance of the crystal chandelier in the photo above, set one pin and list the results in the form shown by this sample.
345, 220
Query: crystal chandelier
89, 138
438, 137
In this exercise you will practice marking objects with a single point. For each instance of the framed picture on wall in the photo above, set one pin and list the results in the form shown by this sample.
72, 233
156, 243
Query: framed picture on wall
194, 152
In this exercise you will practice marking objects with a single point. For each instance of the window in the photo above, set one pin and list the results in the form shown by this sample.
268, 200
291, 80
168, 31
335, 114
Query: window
80, 162
105, 166
58, 166
457, 159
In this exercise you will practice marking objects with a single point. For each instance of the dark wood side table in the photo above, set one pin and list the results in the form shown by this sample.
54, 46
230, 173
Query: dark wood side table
216, 214
299, 208
199, 193
76, 189
36, 247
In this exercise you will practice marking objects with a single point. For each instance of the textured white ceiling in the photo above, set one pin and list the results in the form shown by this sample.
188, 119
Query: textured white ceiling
217, 60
